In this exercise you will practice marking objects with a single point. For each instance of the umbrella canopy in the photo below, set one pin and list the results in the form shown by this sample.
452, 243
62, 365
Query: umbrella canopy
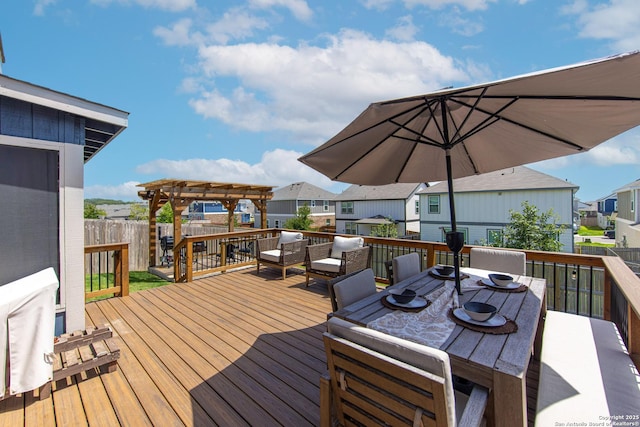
476, 129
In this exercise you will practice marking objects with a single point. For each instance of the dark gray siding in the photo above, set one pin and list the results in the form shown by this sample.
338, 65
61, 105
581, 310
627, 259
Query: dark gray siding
26, 120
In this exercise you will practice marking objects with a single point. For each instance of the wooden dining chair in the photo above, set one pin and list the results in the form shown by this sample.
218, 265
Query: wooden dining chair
405, 266
376, 379
500, 260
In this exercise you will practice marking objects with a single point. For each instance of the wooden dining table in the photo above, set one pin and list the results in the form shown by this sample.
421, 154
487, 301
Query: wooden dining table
496, 361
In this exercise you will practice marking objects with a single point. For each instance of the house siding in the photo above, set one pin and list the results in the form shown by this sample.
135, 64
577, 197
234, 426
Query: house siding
477, 212
22, 119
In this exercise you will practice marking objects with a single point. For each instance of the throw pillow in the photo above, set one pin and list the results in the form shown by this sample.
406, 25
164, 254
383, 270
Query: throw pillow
341, 244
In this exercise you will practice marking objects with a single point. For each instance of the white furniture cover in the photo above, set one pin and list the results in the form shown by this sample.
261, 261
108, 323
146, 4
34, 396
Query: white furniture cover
27, 329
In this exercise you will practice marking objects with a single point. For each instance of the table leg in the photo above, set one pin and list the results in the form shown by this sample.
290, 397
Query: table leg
509, 400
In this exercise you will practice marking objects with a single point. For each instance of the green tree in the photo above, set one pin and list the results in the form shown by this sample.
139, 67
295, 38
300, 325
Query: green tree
165, 214
390, 229
301, 221
139, 212
533, 230
91, 211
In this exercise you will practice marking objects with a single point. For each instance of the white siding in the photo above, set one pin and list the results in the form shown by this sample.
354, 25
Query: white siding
479, 211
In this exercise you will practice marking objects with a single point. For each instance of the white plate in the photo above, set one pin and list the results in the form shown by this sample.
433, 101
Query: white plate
511, 285
494, 322
417, 302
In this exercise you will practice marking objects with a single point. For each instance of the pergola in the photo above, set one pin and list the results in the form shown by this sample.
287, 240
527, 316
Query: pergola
181, 193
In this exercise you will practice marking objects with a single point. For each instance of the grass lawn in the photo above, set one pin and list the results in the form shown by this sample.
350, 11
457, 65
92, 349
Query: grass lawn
602, 245
138, 280
590, 231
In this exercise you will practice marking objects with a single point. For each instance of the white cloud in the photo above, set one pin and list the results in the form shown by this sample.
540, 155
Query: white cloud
178, 34
236, 24
405, 30
168, 5
460, 25
126, 191
299, 8
278, 167
439, 4
616, 20
40, 6
377, 4
621, 150
312, 91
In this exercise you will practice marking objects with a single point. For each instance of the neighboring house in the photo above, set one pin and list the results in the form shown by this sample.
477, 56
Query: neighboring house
45, 139
608, 205
359, 208
287, 200
215, 212
588, 213
483, 202
627, 220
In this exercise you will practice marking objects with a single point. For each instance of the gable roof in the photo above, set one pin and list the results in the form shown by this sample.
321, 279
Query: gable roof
628, 187
399, 191
516, 178
302, 191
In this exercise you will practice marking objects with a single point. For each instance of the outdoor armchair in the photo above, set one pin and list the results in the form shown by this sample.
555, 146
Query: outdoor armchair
332, 259
283, 251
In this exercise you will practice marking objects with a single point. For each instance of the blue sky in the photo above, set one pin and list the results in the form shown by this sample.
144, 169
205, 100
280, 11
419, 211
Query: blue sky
236, 91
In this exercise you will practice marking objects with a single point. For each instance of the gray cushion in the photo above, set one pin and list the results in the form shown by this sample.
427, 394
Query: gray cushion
405, 266
354, 288
426, 358
341, 244
501, 261
586, 372
288, 237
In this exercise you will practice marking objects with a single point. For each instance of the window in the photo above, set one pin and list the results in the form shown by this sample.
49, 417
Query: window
494, 235
325, 205
417, 207
346, 207
350, 228
268, 223
276, 224
434, 204
633, 200
463, 230
327, 222
313, 203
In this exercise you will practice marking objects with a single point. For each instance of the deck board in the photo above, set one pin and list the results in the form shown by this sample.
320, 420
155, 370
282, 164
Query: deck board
231, 349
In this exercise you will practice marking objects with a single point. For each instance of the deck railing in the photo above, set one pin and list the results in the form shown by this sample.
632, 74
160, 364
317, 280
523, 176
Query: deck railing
590, 285
106, 270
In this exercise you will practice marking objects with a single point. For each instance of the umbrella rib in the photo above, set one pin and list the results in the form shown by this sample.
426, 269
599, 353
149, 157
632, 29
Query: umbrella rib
495, 116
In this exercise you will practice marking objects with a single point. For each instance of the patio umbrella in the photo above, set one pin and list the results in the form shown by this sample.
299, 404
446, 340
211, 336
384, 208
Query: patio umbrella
454, 133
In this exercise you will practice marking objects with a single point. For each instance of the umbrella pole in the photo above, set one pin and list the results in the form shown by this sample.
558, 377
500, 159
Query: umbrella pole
455, 240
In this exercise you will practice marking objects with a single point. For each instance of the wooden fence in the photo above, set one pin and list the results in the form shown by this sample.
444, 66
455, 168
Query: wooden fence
136, 233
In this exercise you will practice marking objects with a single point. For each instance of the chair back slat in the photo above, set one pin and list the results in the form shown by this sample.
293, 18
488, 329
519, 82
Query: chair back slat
374, 389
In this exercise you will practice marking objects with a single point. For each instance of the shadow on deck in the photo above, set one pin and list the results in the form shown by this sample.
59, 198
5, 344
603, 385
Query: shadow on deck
230, 349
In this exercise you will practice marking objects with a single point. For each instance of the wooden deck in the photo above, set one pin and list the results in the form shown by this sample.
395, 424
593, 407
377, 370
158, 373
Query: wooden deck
232, 349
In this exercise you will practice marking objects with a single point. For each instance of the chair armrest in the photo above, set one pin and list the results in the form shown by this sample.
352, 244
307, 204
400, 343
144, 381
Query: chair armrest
476, 405
325, 400
293, 252
318, 251
266, 244
355, 260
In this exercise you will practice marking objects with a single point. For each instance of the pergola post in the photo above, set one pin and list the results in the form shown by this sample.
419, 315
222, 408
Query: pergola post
262, 207
230, 206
